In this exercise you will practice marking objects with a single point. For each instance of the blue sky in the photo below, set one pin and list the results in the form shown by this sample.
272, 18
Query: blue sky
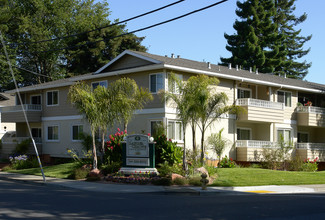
201, 36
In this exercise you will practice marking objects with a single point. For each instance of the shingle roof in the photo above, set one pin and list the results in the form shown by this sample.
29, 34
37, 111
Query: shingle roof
233, 71
190, 64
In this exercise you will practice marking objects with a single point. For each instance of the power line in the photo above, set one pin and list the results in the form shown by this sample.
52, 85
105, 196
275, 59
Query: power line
138, 30
22, 106
38, 74
96, 29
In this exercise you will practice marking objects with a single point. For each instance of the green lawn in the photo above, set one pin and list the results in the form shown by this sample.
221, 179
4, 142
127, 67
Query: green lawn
258, 177
58, 171
226, 176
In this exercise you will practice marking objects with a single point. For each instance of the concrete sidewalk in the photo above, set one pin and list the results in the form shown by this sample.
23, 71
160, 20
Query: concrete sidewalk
131, 188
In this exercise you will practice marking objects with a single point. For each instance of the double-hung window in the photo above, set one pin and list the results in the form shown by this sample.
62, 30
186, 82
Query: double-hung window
157, 82
53, 133
173, 86
175, 130
76, 131
243, 93
284, 134
243, 134
52, 98
284, 97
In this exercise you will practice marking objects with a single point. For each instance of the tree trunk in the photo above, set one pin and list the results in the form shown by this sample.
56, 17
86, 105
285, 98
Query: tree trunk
194, 138
125, 126
184, 151
103, 148
202, 146
94, 150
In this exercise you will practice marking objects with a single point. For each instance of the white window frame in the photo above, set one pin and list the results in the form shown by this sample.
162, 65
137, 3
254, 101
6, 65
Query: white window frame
163, 80
285, 92
76, 140
40, 95
47, 133
174, 124
247, 89
99, 84
174, 87
284, 129
243, 128
47, 101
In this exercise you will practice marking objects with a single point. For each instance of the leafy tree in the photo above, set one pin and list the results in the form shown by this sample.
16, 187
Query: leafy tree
37, 20
128, 97
266, 39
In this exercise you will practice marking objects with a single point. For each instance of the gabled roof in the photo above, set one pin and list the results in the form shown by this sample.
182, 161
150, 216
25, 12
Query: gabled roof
149, 62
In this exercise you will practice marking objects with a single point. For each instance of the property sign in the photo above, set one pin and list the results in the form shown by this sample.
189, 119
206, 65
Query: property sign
138, 152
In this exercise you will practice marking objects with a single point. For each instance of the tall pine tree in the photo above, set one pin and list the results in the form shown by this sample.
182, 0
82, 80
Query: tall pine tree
266, 38
293, 42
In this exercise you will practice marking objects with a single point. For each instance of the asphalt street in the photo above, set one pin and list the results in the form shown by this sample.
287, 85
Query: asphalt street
21, 200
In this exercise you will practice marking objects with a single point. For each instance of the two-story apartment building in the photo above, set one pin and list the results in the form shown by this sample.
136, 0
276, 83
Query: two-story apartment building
270, 102
6, 100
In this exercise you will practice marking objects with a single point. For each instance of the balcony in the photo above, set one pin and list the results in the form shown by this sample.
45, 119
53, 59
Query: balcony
261, 110
251, 150
311, 116
15, 113
311, 151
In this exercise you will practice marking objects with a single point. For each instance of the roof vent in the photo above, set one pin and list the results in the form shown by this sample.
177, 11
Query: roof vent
178, 56
250, 69
285, 75
172, 56
256, 71
219, 68
209, 65
237, 67
229, 66
166, 56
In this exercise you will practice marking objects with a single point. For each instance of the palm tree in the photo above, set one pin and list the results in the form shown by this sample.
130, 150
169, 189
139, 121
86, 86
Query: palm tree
182, 102
128, 97
84, 100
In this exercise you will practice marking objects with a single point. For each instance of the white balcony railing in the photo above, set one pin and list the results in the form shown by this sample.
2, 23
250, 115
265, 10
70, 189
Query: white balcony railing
12, 140
18, 108
311, 146
256, 144
260, 103
311, 109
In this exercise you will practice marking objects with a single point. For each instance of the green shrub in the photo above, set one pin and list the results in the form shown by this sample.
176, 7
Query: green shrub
211, 170
310, 165
166, 150
113, 151
111, 168
166, 170
79, 173
22, 147
195, 181
162, 181
295, 164
21, 162
227, 163
180, 181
